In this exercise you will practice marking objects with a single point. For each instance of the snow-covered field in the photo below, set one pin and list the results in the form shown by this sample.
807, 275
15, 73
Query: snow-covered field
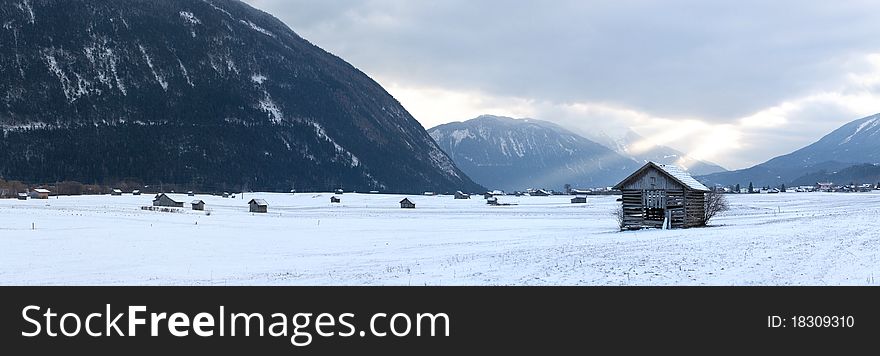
779, 239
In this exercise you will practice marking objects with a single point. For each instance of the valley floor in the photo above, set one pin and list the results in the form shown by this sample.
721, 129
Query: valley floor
778, 239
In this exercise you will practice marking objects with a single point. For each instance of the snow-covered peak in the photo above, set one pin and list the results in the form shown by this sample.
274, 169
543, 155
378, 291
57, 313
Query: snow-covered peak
867, 128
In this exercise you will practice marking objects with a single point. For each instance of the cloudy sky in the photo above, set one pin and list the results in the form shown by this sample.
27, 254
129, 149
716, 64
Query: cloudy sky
734, 82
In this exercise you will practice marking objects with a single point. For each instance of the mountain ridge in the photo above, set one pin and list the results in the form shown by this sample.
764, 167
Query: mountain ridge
854, 143
207, 93
623, 144
516, 154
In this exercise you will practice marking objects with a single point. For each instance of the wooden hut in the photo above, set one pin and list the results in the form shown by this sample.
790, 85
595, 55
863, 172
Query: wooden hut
22, 196
339, 191
492, 201
190, 193
540, 193
407, 204
335, 199
580, 199
164, 200
198, 205
40, 194
116, 192
258, 206
135, 192
460, 195
226, 194
659, 195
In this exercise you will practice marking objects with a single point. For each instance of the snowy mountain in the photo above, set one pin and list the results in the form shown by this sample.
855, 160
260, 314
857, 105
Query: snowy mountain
862, 173
209, 93
623, 144
516, 154
855, 143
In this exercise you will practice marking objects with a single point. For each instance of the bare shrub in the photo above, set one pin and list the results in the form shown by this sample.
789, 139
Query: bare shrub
715, 203
618, 214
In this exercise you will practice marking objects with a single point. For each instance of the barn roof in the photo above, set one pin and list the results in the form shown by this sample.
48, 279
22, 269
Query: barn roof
163, 195
39, 190
259, 202
674, 172
196, 202
406, 200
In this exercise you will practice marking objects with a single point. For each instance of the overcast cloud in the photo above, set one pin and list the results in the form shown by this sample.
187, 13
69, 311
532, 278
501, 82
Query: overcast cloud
748, 79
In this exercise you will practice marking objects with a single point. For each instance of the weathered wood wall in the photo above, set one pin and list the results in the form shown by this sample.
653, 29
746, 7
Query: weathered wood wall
661, 181
684, 208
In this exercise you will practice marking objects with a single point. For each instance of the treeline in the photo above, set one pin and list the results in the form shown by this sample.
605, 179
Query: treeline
10, 189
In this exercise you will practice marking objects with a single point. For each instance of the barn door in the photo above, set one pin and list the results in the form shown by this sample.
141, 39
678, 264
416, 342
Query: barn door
655, 205
655, 199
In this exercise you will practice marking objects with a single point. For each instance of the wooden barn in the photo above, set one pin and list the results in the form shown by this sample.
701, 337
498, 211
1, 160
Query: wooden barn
662, 196
164, 200
407, 204
335, 200
540, 193
460, 195
198, 205
40, 194
258, 206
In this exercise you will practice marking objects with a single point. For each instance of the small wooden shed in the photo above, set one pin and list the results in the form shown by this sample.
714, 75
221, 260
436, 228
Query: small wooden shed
661, 195
198, 205
258, 206
580, 199
164, 200
22, 196
135, 192
116, 192
40, 194
335, 199
460, 195
339, 191
540, 193
407, 204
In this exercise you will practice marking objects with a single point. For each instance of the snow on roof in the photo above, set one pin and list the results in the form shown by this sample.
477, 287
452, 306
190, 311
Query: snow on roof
682, 176
196, 202
38, 190
260, 202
